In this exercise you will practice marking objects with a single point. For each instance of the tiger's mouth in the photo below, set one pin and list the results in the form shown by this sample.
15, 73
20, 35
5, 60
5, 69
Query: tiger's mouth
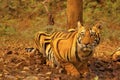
86, 48
87, 51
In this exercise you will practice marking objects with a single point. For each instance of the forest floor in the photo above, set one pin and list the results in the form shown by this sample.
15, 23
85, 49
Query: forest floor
17, 64
19, 22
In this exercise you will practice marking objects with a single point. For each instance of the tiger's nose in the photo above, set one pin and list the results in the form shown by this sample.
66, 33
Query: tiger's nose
86, 42
87, 39
87, 45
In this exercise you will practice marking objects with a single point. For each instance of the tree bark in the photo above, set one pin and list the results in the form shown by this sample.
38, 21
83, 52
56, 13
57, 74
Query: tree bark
74, 13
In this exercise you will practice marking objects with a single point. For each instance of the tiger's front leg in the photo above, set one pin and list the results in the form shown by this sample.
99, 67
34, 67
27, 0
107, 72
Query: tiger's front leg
84, 70
71, 69
50, 63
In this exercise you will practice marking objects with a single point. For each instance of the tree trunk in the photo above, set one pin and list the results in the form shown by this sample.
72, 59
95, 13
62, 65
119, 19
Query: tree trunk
74, 13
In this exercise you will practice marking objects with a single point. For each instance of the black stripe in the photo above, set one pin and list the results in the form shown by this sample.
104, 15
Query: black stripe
58, 50
76, 53
89, 54
97, 40
67, 56
46, 44
56, 34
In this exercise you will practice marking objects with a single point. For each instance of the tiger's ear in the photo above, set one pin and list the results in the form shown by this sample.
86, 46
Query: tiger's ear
98, 26
79, 24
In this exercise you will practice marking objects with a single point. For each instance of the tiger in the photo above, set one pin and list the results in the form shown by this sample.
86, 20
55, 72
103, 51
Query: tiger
67, 48
74, 52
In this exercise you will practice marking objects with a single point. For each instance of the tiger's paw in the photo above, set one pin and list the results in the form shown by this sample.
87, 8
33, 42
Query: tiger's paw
50, 64
71, 69
75, 74
84, 75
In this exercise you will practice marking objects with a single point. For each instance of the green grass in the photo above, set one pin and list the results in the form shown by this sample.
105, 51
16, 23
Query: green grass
5, 30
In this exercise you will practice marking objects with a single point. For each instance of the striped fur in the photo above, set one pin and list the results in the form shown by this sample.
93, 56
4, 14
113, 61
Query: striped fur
71, 49
73, 52
42, 43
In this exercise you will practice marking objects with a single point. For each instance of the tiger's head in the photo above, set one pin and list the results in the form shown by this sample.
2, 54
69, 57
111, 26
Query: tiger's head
88, 38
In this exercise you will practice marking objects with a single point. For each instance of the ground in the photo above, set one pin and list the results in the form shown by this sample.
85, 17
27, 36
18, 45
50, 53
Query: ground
17, 64
21, 19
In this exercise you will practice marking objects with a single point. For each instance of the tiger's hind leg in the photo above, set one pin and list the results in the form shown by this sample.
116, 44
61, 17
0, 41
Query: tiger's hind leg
71, 69
50, 63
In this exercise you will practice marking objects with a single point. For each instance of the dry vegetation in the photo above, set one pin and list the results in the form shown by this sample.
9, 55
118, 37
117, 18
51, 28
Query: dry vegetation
21, 19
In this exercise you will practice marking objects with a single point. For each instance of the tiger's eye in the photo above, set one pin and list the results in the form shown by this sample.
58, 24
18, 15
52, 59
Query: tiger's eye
92, 34
82, 33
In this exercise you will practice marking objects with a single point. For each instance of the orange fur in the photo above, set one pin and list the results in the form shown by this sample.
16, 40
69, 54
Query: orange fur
69, 52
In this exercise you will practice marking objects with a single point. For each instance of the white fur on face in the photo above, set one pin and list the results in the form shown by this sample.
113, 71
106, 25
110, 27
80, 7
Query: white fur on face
88, 47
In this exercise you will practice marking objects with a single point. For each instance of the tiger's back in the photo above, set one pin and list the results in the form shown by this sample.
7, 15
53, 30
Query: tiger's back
43, 40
